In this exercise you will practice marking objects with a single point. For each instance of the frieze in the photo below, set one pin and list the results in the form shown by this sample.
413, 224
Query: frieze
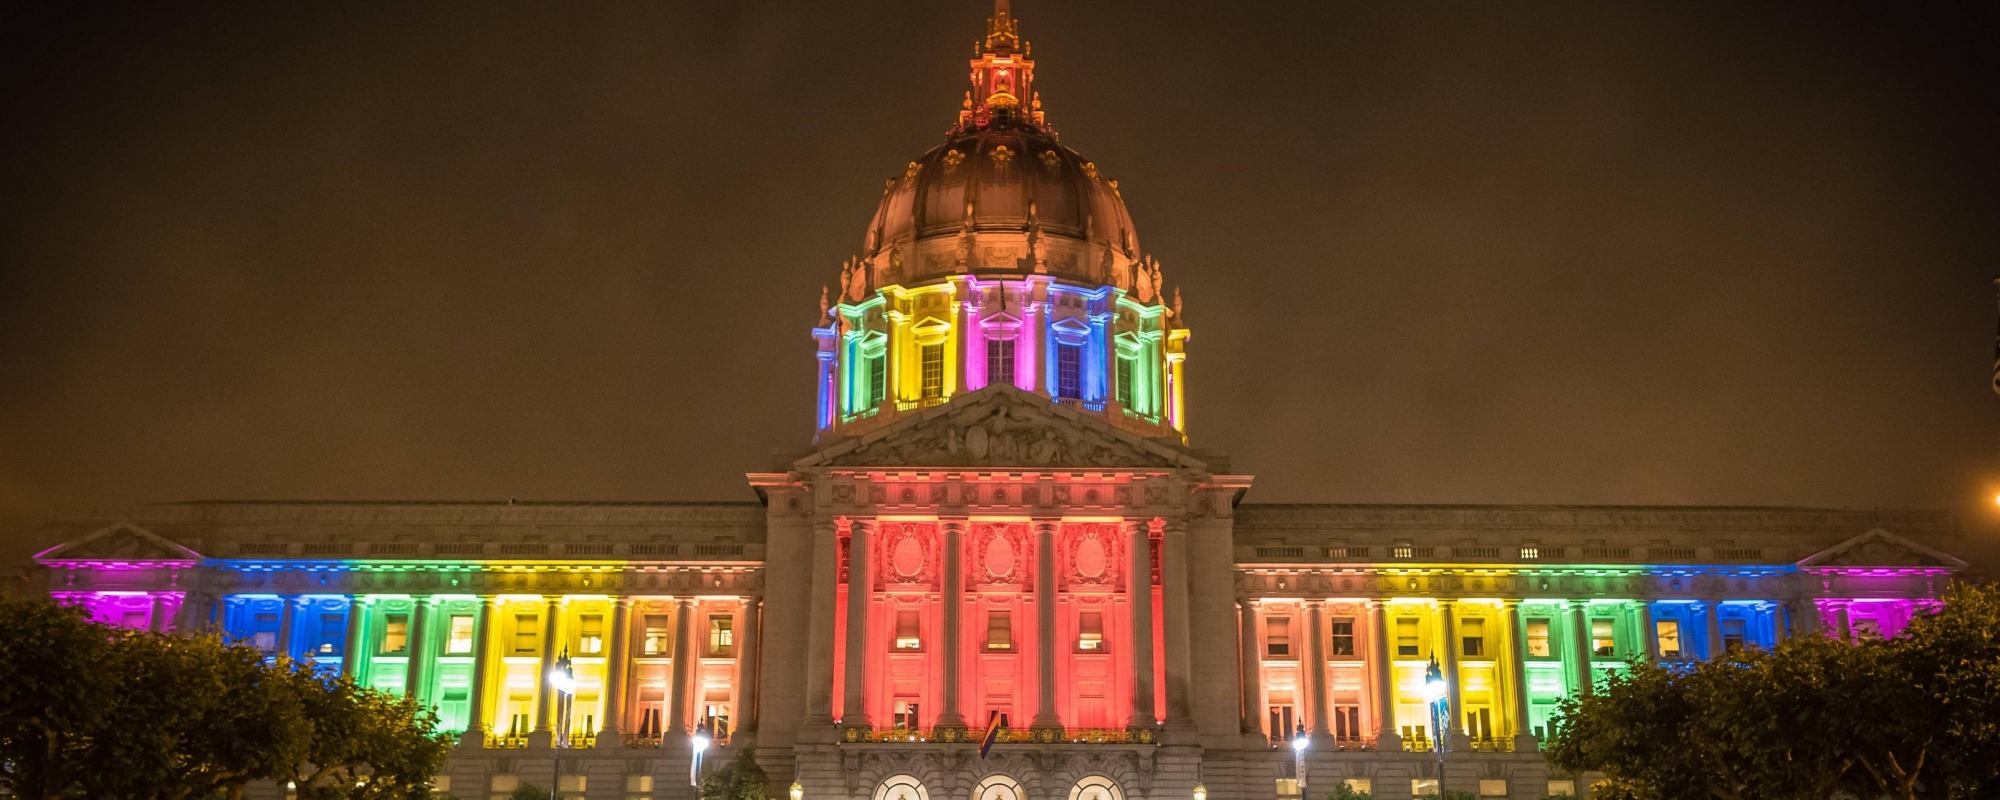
1008, 427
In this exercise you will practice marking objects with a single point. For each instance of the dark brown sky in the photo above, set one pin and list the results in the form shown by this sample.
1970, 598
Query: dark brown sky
1472, 252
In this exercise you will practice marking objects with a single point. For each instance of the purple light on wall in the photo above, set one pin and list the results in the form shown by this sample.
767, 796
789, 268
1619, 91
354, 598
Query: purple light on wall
136, 610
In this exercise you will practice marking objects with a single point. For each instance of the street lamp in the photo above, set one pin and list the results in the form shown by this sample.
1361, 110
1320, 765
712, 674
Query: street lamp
562, 678
1200, 792
699, 743
1439, 697
1300, 741
798, 791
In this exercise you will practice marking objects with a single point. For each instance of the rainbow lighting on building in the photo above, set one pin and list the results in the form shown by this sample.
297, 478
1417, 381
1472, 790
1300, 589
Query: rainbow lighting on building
999, 564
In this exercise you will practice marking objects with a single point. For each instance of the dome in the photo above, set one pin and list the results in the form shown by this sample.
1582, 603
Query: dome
1029, 203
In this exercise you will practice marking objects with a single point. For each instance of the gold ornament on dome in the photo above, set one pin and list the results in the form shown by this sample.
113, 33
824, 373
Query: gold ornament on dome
952, 159
1000, 155
1090, 171
1050, 160
910, 172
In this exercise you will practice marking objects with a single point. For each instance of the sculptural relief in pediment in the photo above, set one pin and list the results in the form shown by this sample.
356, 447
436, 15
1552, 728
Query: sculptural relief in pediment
1006, 431
121, 542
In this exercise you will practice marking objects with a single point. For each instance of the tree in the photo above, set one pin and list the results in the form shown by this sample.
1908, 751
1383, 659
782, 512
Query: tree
741, 779
88, 710
1342, 791
1912, 718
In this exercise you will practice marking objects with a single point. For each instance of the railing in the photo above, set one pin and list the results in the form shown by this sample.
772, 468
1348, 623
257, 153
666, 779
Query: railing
1417, 744
636, 740
1493, 745
1006, 735
1340, 743
501, 741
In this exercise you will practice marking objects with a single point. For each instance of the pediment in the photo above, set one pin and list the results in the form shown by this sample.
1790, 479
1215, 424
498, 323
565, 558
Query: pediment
120, 542
1880, 548
1001, 426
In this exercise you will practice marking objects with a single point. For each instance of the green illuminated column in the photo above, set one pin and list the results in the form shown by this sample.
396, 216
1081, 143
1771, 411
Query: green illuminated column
419, 650
1649, 638
351, 657
1579, 640
1517, 678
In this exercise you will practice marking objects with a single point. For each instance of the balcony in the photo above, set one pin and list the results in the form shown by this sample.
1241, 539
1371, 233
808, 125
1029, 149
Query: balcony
1493, 745
1342, 744
1006, 736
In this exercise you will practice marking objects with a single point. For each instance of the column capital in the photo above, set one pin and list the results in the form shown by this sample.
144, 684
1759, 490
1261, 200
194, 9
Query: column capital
625, 601
954, 524
1047, 525
1133, 526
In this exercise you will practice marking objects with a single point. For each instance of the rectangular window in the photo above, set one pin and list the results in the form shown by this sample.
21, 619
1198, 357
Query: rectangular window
1538, 637
1282, 725
590, 634
1278, 637
931, 359
659, 640
1346, 722
1090, 631
909, 635
1069, 371
1492, 787
331, 628
1343, 637
459, 642
878, 379
999, 360
1472, 635
1602, 642
721, 636
906, 715
1423, 787
395, 634
1406, 637
264, 632
1732, 634
1125, 382
1669, 633
1479, 723
999, 631
525, 640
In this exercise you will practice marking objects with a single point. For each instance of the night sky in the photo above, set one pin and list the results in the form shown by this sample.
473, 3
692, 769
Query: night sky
1592, 252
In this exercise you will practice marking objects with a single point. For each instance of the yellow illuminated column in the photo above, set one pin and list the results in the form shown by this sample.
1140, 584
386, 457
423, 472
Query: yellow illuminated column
616, 664
544, 693
1517, 677
1381, 657
482, 672
1454, 695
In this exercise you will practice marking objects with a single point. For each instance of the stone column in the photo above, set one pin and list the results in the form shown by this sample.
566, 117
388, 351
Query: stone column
1517, 679
678, 711
1649, 635
1381, 659
819, 635
610, 732
1322, 728
1175, 612
951, 716
1580, 645
288, 624
1139, 585
1843, 621
482, 665
160, 618
1253, 677
1713, 611
357, 624
542, 735
749, 644
854, 709
1045, 626
1454, 698
1777, 623
413, 676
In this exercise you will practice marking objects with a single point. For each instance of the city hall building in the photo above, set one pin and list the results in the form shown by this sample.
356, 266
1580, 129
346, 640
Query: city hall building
1000, 523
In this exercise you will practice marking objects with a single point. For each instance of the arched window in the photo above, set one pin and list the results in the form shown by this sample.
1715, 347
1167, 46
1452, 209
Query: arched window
998, 787
1096, 787
901, 787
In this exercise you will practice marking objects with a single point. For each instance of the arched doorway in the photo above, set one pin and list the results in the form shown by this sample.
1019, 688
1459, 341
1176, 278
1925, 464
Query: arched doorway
1096, 787
998, 787
901, 787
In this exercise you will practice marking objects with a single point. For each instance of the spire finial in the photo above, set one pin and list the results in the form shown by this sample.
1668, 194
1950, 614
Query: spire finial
1003, 34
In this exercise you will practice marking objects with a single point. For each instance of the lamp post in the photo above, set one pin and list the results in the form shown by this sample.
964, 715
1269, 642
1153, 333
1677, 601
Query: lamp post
562, 678
1300, 742
1439, 697
699, 743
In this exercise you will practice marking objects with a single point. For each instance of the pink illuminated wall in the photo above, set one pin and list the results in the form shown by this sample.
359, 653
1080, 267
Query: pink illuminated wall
135, 610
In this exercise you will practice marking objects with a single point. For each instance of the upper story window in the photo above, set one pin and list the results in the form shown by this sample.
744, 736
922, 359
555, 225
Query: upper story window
395, 634
1732, 634
1069, 371
999, 360
931, 360
331, 627
458, 640
1407, 643
1278, 637
1538, 637
1090, 631
264, 632
1668, 632
909, 634
1472, 637
659, 640
1602, 640
721, 636
878, 379
590, 634
1343, 637
1124, 382
999, 631
525, 639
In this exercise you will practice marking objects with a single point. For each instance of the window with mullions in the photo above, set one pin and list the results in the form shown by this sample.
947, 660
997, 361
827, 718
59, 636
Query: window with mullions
1407, 643
1668, 632
1125, 382
1538, 637
878, 380
1603, 642
999, 360
1343, 637
1069, 371
721, 636
931, 358
1472, 635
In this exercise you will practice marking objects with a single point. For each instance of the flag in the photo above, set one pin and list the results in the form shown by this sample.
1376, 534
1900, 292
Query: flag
994, 722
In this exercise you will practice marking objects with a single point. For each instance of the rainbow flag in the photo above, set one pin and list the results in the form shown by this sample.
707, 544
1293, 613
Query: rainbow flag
994, 722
